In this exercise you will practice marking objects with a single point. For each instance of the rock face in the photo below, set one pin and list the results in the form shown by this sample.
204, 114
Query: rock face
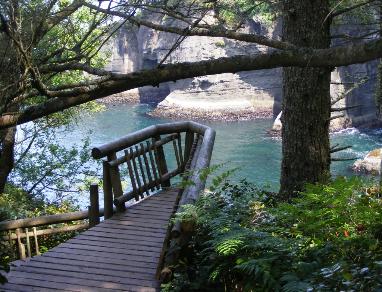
243, 95
371, 163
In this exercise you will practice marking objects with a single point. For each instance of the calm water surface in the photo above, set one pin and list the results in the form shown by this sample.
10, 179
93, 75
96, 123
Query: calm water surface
243, 144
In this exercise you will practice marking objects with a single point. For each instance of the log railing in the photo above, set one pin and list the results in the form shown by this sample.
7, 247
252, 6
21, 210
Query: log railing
23, 234
143, 158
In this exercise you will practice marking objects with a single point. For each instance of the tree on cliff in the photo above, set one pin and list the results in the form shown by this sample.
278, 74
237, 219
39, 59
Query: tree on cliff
304, 51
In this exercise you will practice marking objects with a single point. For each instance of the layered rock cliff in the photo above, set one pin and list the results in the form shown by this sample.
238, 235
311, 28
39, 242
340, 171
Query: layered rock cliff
243, 95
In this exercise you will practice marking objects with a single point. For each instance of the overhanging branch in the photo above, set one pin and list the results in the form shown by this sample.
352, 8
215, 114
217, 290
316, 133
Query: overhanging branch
213, 31
333, 57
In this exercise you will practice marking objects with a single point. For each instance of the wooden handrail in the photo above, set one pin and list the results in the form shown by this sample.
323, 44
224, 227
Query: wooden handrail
14, 228
141, 173
45, 220
144, 134
148, 171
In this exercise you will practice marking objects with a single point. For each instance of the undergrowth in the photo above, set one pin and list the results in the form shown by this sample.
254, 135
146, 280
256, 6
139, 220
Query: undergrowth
15, 204
327, 239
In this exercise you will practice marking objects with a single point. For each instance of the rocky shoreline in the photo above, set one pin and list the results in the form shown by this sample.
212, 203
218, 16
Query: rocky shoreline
130, 96
211, 115
174, 112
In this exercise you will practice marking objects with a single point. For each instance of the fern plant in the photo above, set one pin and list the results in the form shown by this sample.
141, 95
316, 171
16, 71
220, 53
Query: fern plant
327, 239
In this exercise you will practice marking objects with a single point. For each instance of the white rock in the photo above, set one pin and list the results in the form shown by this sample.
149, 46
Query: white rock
277, 125
371, 163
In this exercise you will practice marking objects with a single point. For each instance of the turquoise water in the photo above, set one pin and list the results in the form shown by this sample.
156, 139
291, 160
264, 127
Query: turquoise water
243, 144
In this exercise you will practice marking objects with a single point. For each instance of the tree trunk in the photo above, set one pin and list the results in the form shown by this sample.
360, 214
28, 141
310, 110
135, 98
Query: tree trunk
378, 91
7, 155
306, 100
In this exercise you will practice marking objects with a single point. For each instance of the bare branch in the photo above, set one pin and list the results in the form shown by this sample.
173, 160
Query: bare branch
333, 57
214, 31
337, 149
344, 159
337, 117
350, 8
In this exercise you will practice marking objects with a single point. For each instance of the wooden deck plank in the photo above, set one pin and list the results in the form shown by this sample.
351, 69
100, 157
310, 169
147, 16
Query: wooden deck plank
116, 240
161, 227
132, 229
28, 280
110, 255
120, 254
126, 221
115, 250
22, 288
102, 282
128, 263
145, 220
98, 268
132, 245
112, 235
136, 213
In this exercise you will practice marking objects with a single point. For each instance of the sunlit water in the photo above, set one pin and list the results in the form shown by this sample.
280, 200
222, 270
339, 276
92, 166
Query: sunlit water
243, 144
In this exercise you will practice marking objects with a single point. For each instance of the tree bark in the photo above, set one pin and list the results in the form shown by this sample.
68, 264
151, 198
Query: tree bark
306, 100
7, 155
378, 91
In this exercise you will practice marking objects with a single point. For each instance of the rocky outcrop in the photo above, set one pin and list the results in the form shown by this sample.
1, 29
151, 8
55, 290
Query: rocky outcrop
370, 164
243, 95
232, 96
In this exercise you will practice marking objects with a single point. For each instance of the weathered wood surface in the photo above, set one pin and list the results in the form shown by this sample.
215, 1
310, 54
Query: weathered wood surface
120, 254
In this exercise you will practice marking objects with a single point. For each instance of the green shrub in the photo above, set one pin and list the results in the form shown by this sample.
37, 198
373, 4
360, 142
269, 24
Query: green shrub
16, 203
327, 239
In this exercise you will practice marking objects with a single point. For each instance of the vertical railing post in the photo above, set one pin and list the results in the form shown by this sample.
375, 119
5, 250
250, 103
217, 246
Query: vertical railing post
20, 245
161, 161
29, 253
107, 191
189, 140
115, 179
94, 205
36, 241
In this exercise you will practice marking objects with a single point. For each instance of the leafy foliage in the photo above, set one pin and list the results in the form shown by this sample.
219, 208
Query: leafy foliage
45, 168
16, 203
326, 239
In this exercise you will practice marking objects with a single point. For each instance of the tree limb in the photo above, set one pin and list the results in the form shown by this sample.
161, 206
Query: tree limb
350, 8
333, 57
215, 31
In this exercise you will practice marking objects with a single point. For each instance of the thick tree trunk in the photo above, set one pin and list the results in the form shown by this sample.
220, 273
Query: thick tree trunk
7, 155
378, 91
306, 100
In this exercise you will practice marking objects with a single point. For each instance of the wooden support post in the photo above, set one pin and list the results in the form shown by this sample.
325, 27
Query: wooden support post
107, 191
36, 241
146, 161
28, 243
178, 161
131, 174
153, 166
140, 152
137, 178
115, 179
20, 245
161, 162
11, 245
179, 140
94, 205
188, 146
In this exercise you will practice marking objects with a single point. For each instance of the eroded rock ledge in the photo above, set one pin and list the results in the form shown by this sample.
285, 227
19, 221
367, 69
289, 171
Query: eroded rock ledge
211, 115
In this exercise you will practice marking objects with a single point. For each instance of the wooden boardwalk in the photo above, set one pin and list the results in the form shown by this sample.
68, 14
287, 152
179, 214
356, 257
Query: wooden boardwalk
120, 254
